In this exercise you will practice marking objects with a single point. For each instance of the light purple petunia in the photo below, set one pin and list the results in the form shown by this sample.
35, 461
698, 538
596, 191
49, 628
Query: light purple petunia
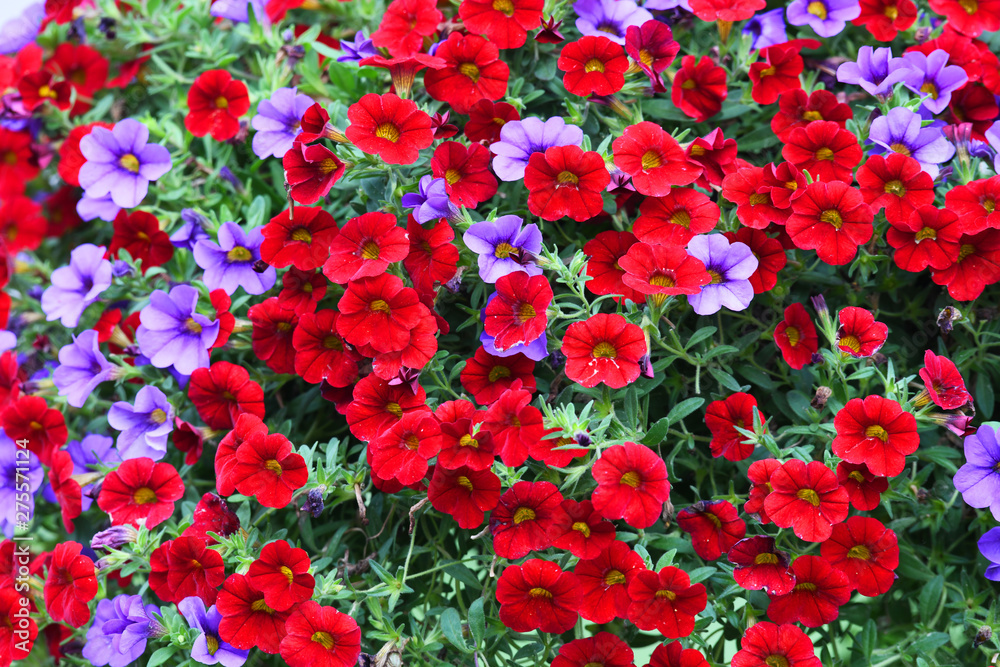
826, 17
144, 425
901, 131
431, 203
121, 162
989, 546
979, 479
173, 333
8, 341
87, 453
876, 71
520, 138
76, 286
91, 208
993, 137
609, 18
192, 231
932, 77
238, 11
208, 647
15, 461
504, 247
357, 49
277, 122
82, 367
664, 5
229, 264
767, 29
121, 627
730, 266
20, 23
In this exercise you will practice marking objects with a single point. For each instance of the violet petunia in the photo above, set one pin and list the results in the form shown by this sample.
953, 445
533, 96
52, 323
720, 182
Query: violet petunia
766, 29
17, 467
520, 138
357, 49
992, 149
8, 340
208, 647
664, 5
229, 264
121, 162
90, 208
431, 203
20, 23
504, 247
191, 231
876, 71
609, 18
82, 367
902, 131
979, 479
238, 11
76, 286
989, 546
931, 77
144, 425
826, 17
122, 625
730, 266
173, 333
277, 122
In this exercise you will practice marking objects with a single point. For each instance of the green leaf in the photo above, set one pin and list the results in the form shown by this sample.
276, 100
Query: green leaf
451, 626
161, 655
257, 212
930, 596
683, 409
477, 621
929, 643
700, 335
632, 407
465, 575
868, 639
984, 395
657, 431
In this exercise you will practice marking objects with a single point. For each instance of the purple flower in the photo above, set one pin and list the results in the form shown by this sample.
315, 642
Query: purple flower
81, 368
608, 18
358, 49
114, 537
932, 77
192, 231
979, 479
520, 138
144, 426
15, 461
90, 208
664, 5
208, 648
876, 71
20, 23
503, 247
900, 131
730, 266
277, 122
237, 11
431, 203
826, 17
229, 264
87, 453
993, 137
76, 286
121, 163
766, 29
989, 546
120, 630
172, 333
8, 340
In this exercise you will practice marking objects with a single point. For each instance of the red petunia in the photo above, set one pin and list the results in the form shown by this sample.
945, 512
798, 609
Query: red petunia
929, 238
866, 551
377, 405
515, 425
699, 88
487, 118
969, 18
38, 87
859, 334
603, 348
676, 217
212, 514
798, 109
247, 621
978, 265
504, 22
759, 475
222, 392
819, 592
796, 337
273, 327
884, 19
69, 585
724, 417
67, 490
60, 211
186, 567
726, 10
464, 494
832, 219
140, 489
716, 155
756, 207
602, 650
944, 382
299, 238
16, 637
522, 520
864, 488
760, 566
766, 644
473, 71
378, 311
18, 162
825, 150
580, 529
390, 127
487, 377
402, 70
652, 47
806, 498
22, 224
976, 203
538, 595
404, 25
714, 526
433, 258
666, 601
317, 636
604, 582
216, 101
30, 418
777, 73
268, 468
401, 452
897, 183
566, 181
365, 247
225, 455
675, 655
466, 172
85, 69
311, 171
593, 65
605, 250
140, 235
517, 314
320, 352
653, 159
631, 484
555, 452
281, 573
875, 431
301, 291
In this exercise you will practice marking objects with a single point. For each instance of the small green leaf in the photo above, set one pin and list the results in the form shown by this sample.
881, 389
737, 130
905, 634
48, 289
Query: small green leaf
930, 596
683, 409
161, 655
477, 621
656, 432
451, 626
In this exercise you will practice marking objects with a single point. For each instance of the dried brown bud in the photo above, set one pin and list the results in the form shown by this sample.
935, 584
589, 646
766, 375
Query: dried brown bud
822, 396
984, 634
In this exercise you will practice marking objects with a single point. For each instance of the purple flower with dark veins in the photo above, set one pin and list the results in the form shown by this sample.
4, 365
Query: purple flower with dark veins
876, 71
826, 17
121, 162
173, 333
208, 647
431, 203
767, 29
144, 426
979, 479
730, 266
609, 18
901, 131
82, 367
357, 49
504, 247
932, 77
277, 122
121, 627
520, 138
229, 264
76, 286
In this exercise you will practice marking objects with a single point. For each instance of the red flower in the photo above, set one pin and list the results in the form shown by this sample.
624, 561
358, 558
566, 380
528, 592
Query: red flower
603, 348
943, 382
972, 19
666, 601
724, 10
777, 73
19, 164
70, 157
819, 593
60, 211
37, 88
859, 334
273, 327
461, 447
464, 494
487, 118
759, 566
866, 551
17, 630
978, 265
976, 104
402, 71
517, 314
549, 450
699, 88
301, 291
402, 451
594, 66
30, 418
605, 250
797, 109
538, 595
580, 529
379, 312
224, 391
487, 377
70, 585
225, 455
884, 19
715, 154
266, 467
473, 71
186, 567
433, 258
602, 650
311, 171
140, 489
247, 621
898, 184
514, 424
748, 189
674, 655
188, 439
604, 582
631, 484
404, 26
212, 513
675, 218
320, 353
281, 573
929, 238
67, 490
825, 150
227, 321
796, 337
653, 159
653, 48
766, 644
875, 431
832, 219
320, 637
215, 102
864, 488
723, 418
390, 127
975, 203
504, 22
22, 224
566, 181
365, 247
377, 405
139, 233
84, 67
302, 241
522, 520
759, 475
714, 526
806, 498
466, 172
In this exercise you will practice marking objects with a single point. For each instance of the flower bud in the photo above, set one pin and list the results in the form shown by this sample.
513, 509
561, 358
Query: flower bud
114, 538
984, 634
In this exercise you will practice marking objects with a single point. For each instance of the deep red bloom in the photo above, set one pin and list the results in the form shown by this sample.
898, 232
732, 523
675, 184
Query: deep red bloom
653, 159
604, 582
30, 418
580, 529
593, 65
765, 644
401, 452
18, 162
390, 127
675, 218
140, 489
714, 526
875, 431
675, 655
188, 439
186, 567
22, 224
402, 71
281, 573
319, 636
723, 418
699, 88
268, 468
379, 312
898, 184
726, 10
864, 488
222, 392
320, 353
566, 181
759, 475
466, 172
602, 650
859, 334
866, 551
666, 601
832, 219
978, 265
538, 595
550, 450
603, 348
212, 514
273, 327
715, 154
819, 592
433, 258
377, 405
944, 382
929, 238
473, 71
825, 150
69, 585
631, 484
404, 25
311, 171
215, 102
796, 337
884, 19
976, 104
759, 566
302, 241
514, 424
84, 67
605, 250
365, 247
522, 520
777, 73
60, 211
37, 88
806, 498
487, 377
517, 314
797, 109
487, 118
139, 233
652, 47
66, 489
463, 493
970, 18
15, 646
748, 189
227, 321
301, 291
247, 621
504, 22
225, 455
975, 203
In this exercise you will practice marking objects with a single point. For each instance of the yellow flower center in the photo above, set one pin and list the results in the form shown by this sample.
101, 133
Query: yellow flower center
465, 483
651, 159
388, 131
582, 528
260, 605
662, 280
614, 578
287, 571
824, 154
817, 9
499, 372
805, 586
793, 336
503, 250
504, 6
144, 496
412, 442
45, 91
689, 84
274, 466
930, 89
525, 312
631, 478
604, 350
452, 176
926, 233
157, 416
239, 254
221, 102
899, 148
682, 218
766, 559
333, 343
809, 496
891, 13
539, 593
770, 71
970, 6
324, 639
394, 409
645, 57
379, 306
832, 217
524, 514
567, 178
811, 115
857, 476
669, 595
192, 326
370, 250
894, 188
716, 276
127, 161
469, 70
593, 65
876, 431
468, 441
212, 643
965, 250
851, 343
859, 551
776, 661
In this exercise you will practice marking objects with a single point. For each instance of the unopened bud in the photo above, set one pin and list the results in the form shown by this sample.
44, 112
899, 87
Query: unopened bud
314, 502
114, 538
822, 396
984, 634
